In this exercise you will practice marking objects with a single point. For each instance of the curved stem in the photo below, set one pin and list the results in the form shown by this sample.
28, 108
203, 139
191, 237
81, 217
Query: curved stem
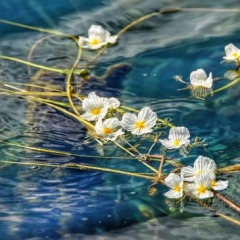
132, 24
139, 20
69, 79
33, 48
227, 86
144, 18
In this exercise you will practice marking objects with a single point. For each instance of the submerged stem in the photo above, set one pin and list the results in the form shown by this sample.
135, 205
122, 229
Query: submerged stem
139, 20
227, 201
33, 48
62, 71
69, 80
36, 28
144, 163
80, 167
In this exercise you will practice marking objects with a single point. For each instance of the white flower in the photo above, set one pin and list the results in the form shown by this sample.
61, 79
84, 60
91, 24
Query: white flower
201, 84
141, 124
176, 184
97, 37
217, 185
231, 74
232, 53
113, 103
202, 165
109, 128
200, 188
199, 78
95, 107
177, 139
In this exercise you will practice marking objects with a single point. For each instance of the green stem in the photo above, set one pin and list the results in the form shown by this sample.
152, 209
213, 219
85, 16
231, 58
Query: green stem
62, 71
80, 167
33, 48
144, 163
227, 86
139, 20
36, 28
69, 80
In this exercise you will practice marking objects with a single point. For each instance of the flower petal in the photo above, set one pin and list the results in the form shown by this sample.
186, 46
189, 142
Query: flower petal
172, 180
230, 49
188, 174
173, 194
199, 74
180, 133
98, 32
112, 39
209, 81
206, 194
138, 131
128, 120
113, 103
167, 143
220, 185
204, 164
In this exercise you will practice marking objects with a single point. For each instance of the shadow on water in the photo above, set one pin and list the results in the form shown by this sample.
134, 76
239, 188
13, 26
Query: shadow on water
54, 203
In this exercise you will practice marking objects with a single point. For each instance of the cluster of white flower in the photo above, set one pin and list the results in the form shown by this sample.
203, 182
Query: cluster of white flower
201, 84
196, 181
96, 108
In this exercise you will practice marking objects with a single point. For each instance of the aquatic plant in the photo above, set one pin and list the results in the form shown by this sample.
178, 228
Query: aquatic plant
107, 121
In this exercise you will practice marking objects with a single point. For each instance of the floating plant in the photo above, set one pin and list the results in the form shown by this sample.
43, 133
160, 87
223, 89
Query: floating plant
107, 121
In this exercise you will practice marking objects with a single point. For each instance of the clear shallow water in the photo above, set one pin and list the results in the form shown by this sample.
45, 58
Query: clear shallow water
52, 203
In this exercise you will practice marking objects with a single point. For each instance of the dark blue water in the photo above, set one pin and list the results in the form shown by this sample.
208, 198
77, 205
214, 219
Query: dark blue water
57, 203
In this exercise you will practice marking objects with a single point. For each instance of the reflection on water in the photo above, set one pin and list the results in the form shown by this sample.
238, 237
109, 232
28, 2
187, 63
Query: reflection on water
54, 203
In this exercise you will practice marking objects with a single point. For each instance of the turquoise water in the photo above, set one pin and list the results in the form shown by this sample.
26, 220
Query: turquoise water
54, 203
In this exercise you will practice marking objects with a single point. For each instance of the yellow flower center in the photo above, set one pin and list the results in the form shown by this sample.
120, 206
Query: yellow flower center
199, 172
140, 124
107, 130
213, 183
176, 142
201, 189
95, 41
235, 55
96, 111
177, 188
